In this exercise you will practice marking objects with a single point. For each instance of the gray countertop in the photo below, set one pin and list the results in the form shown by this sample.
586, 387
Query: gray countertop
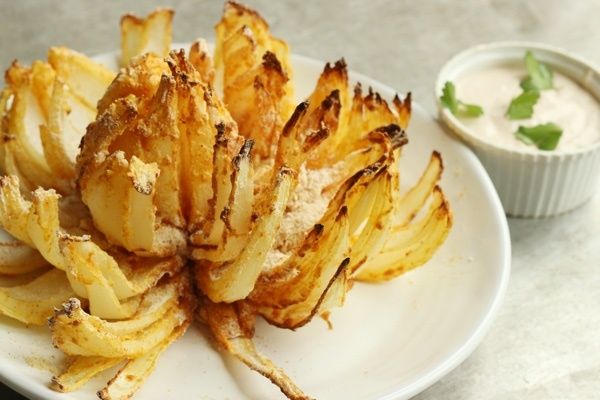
545, 343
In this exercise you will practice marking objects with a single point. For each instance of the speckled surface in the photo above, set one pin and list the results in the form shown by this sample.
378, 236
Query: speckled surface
545, 343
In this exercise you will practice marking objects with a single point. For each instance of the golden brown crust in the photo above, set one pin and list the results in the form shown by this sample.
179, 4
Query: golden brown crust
240, 9
134, 19
102, 132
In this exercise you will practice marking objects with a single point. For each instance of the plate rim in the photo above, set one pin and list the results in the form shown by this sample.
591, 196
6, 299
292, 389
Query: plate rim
22, 384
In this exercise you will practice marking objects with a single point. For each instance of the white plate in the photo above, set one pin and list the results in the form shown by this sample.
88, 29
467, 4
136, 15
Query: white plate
390, 341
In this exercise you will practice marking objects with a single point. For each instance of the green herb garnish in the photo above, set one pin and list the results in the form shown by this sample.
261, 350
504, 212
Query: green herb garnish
539, 75
457, 107
544, 136
521, 107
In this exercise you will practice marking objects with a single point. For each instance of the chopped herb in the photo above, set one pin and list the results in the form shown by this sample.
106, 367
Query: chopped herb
457, 107
544, 136
448, 97
539, 75
469, 110
521, 107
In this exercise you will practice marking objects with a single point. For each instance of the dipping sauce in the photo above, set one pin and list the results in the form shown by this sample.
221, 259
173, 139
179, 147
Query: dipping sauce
568, 105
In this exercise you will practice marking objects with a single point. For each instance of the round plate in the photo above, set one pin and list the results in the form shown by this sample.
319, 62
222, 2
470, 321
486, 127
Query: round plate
389, 341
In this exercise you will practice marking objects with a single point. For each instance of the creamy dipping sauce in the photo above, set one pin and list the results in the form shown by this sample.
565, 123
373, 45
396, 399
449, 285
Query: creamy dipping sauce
568, 105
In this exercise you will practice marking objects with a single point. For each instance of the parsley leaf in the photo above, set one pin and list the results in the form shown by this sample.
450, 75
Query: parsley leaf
521, 107
457, 107
540, 76
469, 110
544, 136
448, 97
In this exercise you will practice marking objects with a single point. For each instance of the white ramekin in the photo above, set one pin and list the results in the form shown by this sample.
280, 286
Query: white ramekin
529, 184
